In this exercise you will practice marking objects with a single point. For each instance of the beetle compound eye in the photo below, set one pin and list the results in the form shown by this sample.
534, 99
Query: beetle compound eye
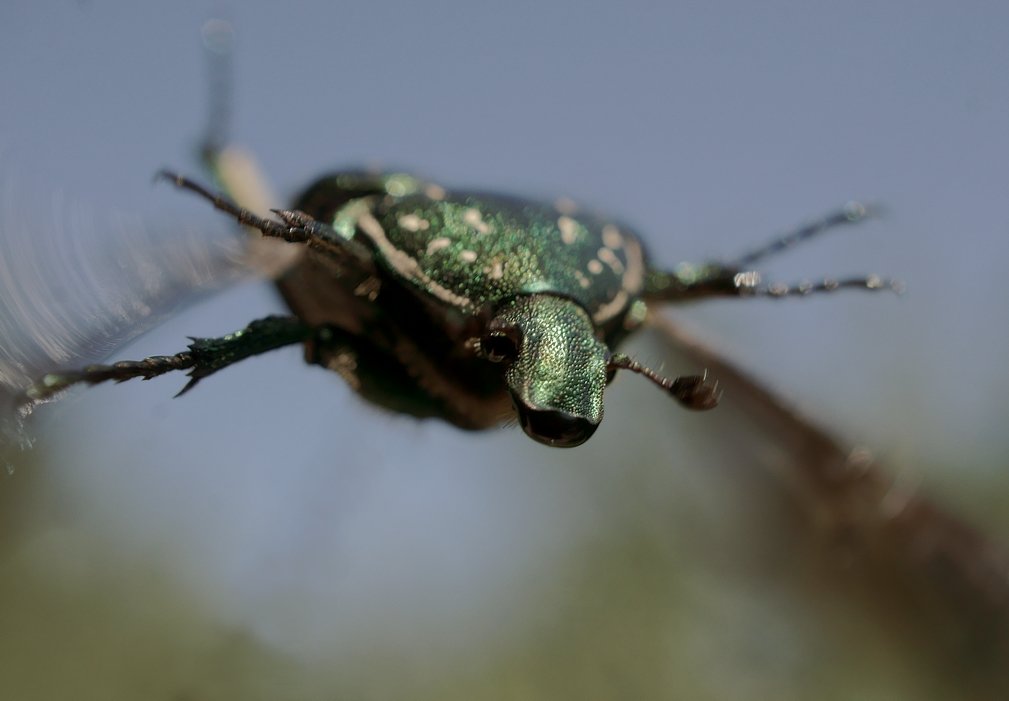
501, 345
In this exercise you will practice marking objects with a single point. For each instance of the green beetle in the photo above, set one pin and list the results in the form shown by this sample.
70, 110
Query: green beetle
461, 305
470, 307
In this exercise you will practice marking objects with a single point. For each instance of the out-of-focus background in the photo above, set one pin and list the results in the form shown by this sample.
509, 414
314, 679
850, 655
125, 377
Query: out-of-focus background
269, 536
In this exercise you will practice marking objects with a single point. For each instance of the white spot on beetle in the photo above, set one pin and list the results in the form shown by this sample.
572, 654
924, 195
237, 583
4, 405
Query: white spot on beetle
582, 279
438, 244
607, 256
595, 267
405, 264
631, 283
569, 229
435, 192
398, 185
565, 205
467, 256
612, 238
411, 222
495, 271
473, 218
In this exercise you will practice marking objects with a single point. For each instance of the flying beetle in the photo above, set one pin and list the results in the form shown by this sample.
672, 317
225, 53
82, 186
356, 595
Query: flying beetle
471, 307
466, 306
836, 480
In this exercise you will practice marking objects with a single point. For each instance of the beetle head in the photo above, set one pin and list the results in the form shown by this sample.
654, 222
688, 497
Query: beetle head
556, 367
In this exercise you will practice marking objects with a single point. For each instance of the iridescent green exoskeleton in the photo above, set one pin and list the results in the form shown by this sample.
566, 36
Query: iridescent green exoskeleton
470, 307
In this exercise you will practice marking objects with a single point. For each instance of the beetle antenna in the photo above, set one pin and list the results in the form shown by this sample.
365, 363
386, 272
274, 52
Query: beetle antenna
695, 392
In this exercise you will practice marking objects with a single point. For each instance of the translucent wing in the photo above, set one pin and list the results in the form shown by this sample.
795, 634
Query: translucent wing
75, 284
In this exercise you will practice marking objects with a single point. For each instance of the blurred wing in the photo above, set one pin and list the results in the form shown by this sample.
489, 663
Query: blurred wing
899, 539
75, 285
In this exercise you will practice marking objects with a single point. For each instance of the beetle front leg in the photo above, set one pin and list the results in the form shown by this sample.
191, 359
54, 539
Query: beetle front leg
690, 282
696, 392
204, 357
738, 279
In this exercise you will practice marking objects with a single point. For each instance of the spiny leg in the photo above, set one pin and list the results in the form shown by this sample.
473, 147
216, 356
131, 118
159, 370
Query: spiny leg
695, 392
204, 357
246, 217
297, 227
690, 281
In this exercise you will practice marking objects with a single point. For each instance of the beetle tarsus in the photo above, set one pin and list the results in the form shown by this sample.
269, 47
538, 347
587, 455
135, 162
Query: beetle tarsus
48, 386
204, 357
245, 217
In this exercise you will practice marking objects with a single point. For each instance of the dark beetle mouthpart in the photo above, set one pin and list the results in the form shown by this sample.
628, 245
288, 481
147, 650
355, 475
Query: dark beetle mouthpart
555, 428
